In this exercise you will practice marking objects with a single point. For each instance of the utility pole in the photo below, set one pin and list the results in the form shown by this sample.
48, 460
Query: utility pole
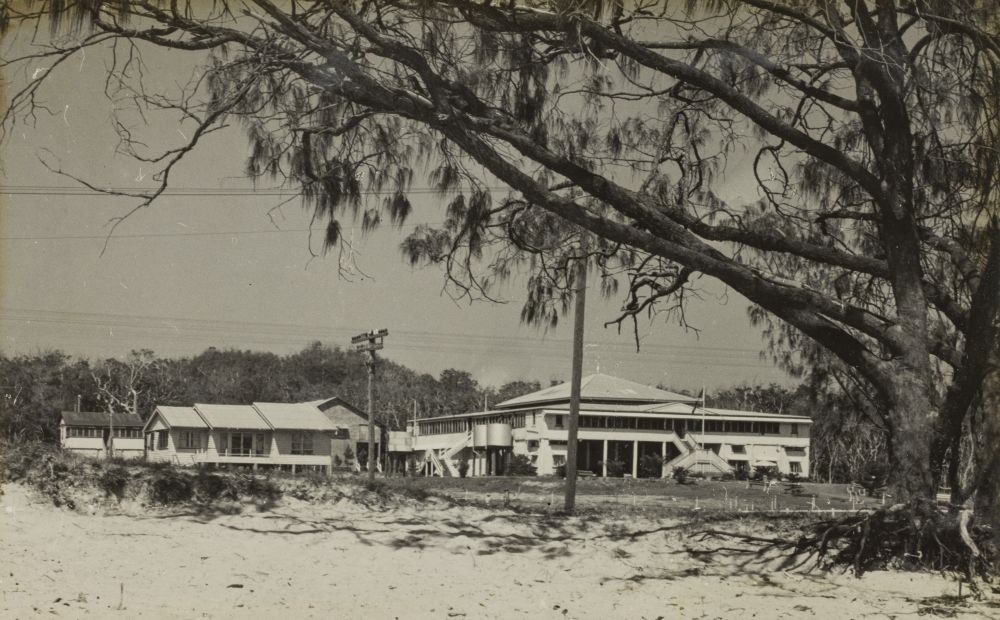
370, 342
574, 398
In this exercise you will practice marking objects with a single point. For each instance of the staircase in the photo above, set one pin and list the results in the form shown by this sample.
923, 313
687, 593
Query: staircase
444, 457
706, 461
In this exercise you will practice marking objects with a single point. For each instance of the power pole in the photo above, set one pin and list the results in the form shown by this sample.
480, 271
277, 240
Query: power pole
370, 342
574, 393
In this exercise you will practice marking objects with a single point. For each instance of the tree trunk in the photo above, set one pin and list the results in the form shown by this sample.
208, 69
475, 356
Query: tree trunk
987, 455
913, 419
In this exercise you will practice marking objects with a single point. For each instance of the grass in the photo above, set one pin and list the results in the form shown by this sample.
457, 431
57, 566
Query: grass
664, 494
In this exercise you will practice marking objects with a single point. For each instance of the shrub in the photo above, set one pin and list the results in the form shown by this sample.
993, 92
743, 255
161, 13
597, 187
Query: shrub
258, 488
616, 469
742, 474
561, 470
113, 481
520, 465
210, 487
651, 466
680, 474
169, 486
463, 468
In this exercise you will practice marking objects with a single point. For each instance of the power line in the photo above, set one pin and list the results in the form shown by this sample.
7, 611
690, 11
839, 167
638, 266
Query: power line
221, 233
54, 190
285, 333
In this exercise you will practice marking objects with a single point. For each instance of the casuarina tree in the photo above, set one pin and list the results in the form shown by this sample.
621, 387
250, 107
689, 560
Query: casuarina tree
860, 134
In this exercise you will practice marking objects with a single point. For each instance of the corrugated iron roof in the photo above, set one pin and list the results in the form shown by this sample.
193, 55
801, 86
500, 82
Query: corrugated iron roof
599, 387
305, 416
181, 417
100, 418
232, 416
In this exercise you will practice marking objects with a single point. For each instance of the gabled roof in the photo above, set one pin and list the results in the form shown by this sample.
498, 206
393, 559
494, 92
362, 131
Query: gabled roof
232, 416
100, 418
180, 417
295, 416
599, 388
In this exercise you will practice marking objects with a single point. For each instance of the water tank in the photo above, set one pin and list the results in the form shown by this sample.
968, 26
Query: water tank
498, 434
479, 436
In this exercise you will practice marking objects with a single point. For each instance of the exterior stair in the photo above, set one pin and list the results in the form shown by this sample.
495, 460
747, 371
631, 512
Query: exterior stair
445, 457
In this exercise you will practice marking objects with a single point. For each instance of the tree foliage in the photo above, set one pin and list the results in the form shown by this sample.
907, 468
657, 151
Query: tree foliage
37, 388
866, 235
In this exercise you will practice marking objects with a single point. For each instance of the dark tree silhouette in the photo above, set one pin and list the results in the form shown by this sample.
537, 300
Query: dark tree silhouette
868, 128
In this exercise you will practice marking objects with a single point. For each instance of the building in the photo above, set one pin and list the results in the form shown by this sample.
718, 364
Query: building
90, 433
625, 429
320, 435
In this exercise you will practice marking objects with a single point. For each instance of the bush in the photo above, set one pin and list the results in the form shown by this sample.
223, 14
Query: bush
113, 481
210, 487
651, 466
561, 470
616, 469
742, 474
169, 486
258, 488
520, 465
463, 468
680, 475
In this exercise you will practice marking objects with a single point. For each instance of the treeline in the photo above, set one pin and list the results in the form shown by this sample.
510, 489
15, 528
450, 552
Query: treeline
34, 389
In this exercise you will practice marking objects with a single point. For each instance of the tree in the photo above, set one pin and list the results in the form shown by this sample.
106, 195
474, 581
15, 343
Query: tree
771, 398
867, 129
36, 389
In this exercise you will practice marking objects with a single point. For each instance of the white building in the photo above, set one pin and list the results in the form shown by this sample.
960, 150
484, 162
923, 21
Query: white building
322, 435
625, 429
100, 434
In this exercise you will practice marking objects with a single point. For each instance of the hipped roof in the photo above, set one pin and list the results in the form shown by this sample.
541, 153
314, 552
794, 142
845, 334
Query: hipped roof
599, 388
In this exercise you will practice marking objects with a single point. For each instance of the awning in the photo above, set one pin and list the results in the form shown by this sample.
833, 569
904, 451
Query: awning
764, 464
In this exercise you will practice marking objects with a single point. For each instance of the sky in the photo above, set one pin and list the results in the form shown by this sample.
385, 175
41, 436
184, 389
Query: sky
212, 264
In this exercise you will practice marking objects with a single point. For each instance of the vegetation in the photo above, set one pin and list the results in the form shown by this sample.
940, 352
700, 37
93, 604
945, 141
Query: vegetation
520, 465
868, 131
38, 387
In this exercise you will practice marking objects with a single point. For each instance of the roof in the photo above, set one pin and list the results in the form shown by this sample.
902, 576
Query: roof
600, 388
181, 417
709, 412
639, 410
232, 416
305, 416
100, 418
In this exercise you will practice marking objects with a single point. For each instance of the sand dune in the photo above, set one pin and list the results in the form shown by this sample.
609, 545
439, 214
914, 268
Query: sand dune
412, 560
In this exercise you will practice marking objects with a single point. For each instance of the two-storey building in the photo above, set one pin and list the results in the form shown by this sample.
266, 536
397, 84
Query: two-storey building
625, 428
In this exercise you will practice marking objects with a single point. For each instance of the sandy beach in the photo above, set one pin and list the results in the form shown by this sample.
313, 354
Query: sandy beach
412, 560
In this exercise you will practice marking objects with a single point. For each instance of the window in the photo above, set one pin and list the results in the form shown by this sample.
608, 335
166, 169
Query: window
84, 432
739, 449
795, 451
795, 430
558, 421
302, 443
189, 440
239, 444
128, 433
795, 467
161, 440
